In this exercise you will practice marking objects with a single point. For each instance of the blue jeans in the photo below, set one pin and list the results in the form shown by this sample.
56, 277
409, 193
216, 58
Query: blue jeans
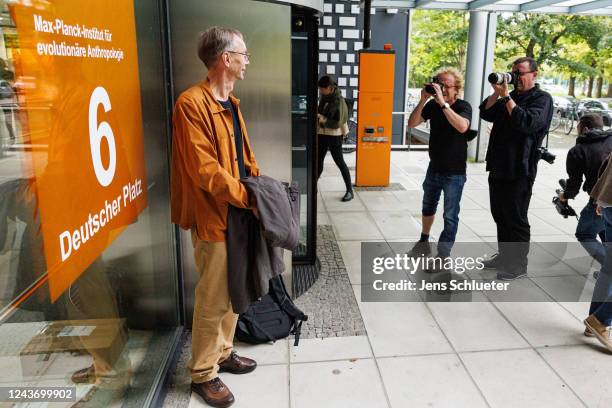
452, 186
590, 225
601, 305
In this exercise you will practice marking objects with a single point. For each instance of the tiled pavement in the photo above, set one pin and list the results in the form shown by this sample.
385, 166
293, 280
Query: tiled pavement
486, 354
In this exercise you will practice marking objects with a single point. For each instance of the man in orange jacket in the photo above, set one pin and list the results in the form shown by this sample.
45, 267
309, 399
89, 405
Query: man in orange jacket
210, 153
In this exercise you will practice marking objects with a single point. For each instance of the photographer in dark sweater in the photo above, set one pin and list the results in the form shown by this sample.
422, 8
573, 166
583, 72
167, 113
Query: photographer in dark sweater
520, 121
593, 146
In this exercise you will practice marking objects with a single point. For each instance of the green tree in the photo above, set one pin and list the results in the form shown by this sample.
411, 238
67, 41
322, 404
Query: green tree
576, 46
529, 35
593, 34
439, 38
571, 63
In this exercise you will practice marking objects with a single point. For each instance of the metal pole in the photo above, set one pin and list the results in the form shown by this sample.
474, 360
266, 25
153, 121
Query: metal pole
366, 23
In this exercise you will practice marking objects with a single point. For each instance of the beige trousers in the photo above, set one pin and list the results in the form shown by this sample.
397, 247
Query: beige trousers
214, 321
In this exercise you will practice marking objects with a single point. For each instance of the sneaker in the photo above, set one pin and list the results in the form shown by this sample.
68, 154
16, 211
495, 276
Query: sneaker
492, 263
603, 333
512, 274
588, 332
421, 248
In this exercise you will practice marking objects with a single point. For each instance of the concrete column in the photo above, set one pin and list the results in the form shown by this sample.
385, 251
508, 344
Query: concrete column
481, 47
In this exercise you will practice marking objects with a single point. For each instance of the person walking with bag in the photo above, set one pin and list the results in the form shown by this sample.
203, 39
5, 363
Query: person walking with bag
599, 322
332, 117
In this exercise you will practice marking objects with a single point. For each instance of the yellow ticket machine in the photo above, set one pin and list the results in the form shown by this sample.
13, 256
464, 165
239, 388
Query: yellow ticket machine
374, 117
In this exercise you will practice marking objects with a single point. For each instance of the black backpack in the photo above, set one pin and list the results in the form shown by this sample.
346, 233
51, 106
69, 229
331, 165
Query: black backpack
273, 317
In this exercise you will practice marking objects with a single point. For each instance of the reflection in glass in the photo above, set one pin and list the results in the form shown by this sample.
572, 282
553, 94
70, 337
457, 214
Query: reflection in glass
110, 332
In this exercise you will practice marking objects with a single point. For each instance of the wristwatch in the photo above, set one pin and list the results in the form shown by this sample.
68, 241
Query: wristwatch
445, 106
505, 99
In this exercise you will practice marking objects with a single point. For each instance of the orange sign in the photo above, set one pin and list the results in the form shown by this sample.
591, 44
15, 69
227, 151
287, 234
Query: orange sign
77, 67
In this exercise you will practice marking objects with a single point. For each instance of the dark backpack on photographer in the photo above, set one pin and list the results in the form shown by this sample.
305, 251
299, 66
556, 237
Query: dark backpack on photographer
272, 317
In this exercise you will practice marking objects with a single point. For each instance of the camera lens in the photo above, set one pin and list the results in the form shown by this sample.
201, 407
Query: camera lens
512, 77
496, 78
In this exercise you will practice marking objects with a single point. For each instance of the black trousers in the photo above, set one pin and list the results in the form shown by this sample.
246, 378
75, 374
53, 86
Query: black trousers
509, 206
334, 145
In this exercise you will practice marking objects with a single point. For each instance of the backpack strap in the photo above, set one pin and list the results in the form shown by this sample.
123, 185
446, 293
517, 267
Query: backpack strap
280, 294
297, 331
298, 318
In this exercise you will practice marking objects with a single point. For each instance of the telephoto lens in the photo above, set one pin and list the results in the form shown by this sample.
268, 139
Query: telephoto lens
499, 78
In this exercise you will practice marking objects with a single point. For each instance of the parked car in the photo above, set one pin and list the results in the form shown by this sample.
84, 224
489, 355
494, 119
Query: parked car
595, 106
564, 106
563, 103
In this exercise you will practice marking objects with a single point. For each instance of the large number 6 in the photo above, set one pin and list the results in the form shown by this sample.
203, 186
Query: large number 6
99, 131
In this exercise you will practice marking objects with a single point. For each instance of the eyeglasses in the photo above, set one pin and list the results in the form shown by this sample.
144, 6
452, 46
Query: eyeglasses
246, 54
522, 74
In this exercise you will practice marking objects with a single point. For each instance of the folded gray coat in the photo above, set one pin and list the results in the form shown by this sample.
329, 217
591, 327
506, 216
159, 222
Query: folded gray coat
254, 246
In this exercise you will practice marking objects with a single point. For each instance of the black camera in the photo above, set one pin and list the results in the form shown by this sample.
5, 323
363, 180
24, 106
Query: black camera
498, 78
430, 89
563, 207
546, 155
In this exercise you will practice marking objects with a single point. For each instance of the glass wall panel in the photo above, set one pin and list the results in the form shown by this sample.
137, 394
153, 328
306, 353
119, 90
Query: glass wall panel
106, 324
303, 111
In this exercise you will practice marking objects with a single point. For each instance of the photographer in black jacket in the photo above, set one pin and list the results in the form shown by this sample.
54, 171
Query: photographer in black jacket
520, 121
593, 146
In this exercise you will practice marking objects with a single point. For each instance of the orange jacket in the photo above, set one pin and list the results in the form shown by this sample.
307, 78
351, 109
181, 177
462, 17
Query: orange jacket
204, 172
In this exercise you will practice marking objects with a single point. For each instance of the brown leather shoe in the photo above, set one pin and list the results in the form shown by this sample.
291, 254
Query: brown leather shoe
214, 392
88, 375
85, 375
237, 365
603, 333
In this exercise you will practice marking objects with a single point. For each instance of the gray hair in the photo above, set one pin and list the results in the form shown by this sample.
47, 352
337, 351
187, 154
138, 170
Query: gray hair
213, 42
